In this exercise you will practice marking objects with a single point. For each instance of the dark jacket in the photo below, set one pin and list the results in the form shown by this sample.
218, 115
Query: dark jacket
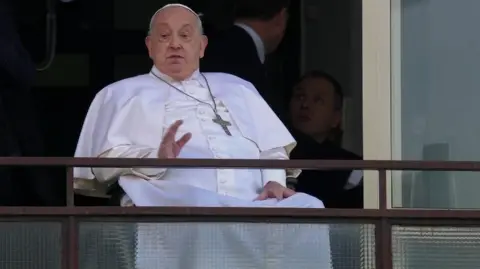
233, 51
326, 185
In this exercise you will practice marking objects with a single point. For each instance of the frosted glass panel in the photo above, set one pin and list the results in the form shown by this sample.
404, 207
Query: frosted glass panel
30, 245
116, 245
438, 99
435, 247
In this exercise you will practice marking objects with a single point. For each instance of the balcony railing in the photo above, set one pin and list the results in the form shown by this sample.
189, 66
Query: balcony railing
394, 232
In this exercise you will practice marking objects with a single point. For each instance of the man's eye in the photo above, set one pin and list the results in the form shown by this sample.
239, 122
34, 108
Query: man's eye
300, 96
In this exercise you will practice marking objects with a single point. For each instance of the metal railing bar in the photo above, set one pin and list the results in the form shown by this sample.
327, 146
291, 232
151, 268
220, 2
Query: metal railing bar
383, 217
266, 213
72, 240
383, 229
383, 244
65, 244
185, 211
70, 197
225, 219
382, 189
231, 163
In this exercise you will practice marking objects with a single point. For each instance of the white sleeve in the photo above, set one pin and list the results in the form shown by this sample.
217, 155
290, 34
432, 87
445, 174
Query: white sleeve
126, 132
105, 174
275, 175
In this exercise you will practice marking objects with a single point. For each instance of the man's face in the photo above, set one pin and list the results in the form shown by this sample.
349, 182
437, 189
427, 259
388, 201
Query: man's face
312, 107
175, 43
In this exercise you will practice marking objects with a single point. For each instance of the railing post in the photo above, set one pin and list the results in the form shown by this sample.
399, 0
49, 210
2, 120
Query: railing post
383, 229
70, 241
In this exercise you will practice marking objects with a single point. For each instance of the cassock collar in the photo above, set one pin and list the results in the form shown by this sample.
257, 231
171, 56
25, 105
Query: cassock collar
256, 39
196, 76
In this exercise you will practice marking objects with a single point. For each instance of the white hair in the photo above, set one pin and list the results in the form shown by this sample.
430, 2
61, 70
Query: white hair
197, 15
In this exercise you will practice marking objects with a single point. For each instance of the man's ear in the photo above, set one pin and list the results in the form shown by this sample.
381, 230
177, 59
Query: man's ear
281, 16
337, 119
148, 43
203, 45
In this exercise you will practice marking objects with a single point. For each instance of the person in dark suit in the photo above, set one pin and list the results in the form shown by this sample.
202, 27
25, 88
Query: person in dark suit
19, 135
241, 49
316, 112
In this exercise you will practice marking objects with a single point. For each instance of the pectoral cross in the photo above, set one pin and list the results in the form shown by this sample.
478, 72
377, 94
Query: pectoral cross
218, 120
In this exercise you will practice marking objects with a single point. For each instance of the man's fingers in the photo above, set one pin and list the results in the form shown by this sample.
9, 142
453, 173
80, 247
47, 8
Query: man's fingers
279, 194
288, 192
171, 132
183, 140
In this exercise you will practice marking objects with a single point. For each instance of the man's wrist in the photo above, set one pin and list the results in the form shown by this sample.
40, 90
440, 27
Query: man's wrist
274, 175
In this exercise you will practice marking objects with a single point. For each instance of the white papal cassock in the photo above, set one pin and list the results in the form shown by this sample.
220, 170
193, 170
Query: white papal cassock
127, 120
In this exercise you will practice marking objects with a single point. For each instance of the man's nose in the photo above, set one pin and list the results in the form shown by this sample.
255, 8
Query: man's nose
175, 43
304, 105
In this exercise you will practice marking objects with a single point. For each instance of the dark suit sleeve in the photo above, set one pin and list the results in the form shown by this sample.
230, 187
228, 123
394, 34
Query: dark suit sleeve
16, 65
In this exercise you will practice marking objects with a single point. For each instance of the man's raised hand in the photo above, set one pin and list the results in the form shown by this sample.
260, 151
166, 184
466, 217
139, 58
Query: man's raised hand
170, 148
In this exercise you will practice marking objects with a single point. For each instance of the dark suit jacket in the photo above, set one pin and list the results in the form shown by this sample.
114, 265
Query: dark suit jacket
233, 51
327, 185
19, 135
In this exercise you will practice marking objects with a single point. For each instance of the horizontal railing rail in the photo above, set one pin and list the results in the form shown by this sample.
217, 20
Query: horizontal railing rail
383, 218
244, 163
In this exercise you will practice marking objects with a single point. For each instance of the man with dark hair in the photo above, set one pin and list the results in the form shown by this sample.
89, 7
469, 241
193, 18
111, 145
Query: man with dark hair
316, 113
241, 49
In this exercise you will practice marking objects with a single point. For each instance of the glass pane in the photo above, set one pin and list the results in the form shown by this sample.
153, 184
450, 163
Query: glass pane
125, 19
30, 245
451, 189
435, 247
67, 70
213, 245
131, 65
437, 96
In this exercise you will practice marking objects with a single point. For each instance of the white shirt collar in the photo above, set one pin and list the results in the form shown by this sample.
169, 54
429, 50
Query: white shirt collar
196, 76
256, 39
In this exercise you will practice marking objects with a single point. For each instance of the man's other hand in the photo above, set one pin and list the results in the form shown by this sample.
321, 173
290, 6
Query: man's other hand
274, 190
170, 148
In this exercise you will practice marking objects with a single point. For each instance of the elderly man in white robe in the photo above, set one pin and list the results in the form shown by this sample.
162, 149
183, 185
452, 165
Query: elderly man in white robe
176, 111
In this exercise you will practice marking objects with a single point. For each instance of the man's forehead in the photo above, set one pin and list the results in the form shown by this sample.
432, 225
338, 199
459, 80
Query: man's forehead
177, 6
315, 85
178, 25
167, 12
